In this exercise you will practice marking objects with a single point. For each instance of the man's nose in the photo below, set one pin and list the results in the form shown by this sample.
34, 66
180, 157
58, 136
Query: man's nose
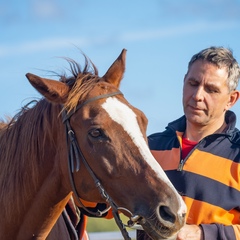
198, 94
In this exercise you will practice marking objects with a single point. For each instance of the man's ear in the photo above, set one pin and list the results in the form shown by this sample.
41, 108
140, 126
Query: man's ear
234, 96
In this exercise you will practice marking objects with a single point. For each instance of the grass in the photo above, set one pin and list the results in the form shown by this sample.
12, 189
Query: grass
104, 225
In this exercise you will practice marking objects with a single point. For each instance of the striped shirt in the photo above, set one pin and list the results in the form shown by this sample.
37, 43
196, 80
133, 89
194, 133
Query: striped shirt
208, 178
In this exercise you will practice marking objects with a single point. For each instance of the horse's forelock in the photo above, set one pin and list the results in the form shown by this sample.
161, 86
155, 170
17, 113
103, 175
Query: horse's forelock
77, 71
81, 81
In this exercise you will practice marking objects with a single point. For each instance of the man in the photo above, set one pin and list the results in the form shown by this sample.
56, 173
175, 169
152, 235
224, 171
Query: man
200, 152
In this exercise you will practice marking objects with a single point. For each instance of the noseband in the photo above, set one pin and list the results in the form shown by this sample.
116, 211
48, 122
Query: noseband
74, 157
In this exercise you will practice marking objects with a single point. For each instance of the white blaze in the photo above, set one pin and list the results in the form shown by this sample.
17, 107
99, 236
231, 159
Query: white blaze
125, 116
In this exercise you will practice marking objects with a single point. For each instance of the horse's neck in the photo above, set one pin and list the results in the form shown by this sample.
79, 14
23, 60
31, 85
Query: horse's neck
47, 199
52, 195
44, 210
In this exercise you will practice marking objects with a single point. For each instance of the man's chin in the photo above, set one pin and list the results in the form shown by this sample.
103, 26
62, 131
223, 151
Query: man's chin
196, 120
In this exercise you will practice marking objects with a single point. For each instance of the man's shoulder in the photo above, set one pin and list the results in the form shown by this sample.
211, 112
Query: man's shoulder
235, 137
178, 125
158, 135
161, 140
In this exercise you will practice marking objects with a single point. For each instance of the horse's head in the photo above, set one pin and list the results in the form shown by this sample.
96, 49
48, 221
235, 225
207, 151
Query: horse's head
111, 135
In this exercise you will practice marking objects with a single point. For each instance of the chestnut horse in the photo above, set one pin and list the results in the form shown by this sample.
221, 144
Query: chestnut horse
84, 119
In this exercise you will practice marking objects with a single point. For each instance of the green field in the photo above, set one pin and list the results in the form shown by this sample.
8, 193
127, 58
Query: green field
104, 225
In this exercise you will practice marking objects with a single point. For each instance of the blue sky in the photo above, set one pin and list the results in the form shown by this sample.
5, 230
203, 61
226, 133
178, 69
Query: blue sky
160, 36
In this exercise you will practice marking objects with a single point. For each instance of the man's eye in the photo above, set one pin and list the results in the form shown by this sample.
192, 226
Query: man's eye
193, 83
211, 90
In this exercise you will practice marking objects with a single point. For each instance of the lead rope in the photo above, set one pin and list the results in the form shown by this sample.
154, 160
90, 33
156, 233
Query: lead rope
69, 224
74, 166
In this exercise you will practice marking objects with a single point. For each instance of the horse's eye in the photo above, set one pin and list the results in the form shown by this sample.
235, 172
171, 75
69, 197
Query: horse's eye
95, 133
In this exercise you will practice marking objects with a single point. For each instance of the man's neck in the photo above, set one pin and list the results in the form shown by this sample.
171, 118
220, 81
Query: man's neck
197, 133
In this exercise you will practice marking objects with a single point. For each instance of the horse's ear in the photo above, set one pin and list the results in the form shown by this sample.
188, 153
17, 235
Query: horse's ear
54, 91
115, 73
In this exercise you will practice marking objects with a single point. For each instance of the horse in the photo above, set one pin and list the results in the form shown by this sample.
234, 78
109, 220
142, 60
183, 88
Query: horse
82, 140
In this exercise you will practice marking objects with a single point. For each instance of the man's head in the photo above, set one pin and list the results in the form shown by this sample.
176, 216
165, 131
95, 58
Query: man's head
210, 87
221, 57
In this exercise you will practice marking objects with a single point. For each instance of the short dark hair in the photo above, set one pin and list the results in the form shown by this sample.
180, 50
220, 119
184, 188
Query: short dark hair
221, 57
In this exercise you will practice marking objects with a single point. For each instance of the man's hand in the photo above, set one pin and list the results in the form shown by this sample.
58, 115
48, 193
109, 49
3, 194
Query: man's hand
190, 232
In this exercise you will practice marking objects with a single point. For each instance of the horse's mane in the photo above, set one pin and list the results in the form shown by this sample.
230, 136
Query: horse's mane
22, 140
2, 124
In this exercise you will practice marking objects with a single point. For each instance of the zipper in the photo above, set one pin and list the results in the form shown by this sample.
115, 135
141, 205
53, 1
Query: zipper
182, 161
180, 166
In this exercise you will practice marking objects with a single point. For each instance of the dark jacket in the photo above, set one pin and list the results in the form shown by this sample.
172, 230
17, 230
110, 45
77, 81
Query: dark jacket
208, 178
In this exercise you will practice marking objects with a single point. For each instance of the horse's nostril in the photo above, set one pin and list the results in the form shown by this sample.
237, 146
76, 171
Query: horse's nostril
166, 214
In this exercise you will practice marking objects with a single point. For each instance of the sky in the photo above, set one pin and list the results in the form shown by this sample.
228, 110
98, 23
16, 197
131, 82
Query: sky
160, 37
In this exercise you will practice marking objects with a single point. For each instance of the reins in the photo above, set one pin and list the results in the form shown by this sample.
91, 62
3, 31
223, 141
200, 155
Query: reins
75, 156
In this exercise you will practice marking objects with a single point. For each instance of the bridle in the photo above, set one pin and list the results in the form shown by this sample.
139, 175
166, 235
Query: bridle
74, 157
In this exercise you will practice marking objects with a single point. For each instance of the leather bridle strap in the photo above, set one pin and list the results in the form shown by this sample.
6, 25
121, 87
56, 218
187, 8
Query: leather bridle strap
75, 154
69, 114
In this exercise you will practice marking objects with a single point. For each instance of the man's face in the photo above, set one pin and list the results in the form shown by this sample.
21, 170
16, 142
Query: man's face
205, 94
